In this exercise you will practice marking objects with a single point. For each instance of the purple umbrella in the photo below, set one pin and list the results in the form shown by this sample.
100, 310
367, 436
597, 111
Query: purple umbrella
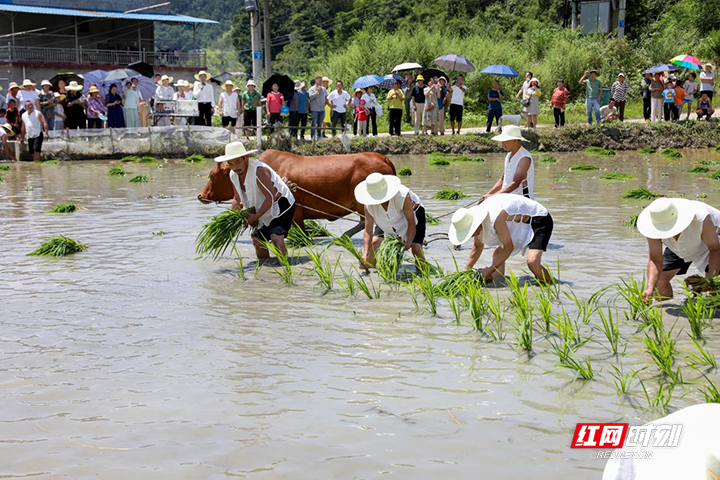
455, 63
146, 87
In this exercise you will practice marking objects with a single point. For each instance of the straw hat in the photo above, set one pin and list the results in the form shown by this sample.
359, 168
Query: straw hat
45, 82
465, 222
377, 188
13, 85
202, 72
509, 132
234, 150
8, 129
229, 82
420, 77
165, 77
28, 83
297, 84
666, 217
74, 87
251, 82
621, 74
709, 65
182, 83
93, 89
59, 96
326, 79
358, 90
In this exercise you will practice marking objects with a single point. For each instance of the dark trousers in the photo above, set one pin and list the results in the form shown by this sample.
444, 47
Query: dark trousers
559, 115
340, 118
293, 121
493, 113
205, 117
670, 112
395, 120
408, 110
302, 120
621, 110
372, 120
646, 108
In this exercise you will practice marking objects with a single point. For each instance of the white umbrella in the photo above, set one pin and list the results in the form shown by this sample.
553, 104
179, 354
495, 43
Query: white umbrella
406, 66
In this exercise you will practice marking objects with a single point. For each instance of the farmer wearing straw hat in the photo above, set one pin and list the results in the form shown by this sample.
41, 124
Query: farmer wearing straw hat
519, 174
392, 209
689, 231
513, 224
229, 106
203, 93
6, 131
13, 92
257, 186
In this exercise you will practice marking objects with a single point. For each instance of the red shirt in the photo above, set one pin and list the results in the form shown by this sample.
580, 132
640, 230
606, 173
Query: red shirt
559, 98
361, 113
274, 101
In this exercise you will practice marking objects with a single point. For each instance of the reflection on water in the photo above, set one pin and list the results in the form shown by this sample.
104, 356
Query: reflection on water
135, 358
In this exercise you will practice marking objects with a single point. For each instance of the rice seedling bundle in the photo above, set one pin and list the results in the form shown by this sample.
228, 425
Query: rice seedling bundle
583, 167
439, 161
603, 152
449, 195
147, 160
631, 221
297, 238
117, 172
404, 171
130, 159
466, 159
221, 231
5, 167
647, 151
715, 176
709, 162
389, 257
63, 208
139, 179
58, 247
459, 282
195, 158
49, 162
432, 221
641, 194
670, 153
548, 159
616, 176
699, 169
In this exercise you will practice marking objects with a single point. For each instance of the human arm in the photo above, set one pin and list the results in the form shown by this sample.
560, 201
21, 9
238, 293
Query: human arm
22, 131
264, 183
495, 188
267, 104
236, 203
600, 89
710, 238
501, 254
582, 79
44, 126
520, 176
368, 254
655, 261
475, 252
6, 148
410, 218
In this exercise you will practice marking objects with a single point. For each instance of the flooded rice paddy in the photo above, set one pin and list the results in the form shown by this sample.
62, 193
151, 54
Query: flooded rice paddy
136, 359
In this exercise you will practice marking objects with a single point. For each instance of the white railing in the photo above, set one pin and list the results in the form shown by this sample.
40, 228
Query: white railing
84, 56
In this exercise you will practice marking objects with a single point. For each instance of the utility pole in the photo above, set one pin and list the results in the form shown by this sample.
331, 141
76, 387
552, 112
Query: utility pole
573, 14
268, 42
621, 19
256, 42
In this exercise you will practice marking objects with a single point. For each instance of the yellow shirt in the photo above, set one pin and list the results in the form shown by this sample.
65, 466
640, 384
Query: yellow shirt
397, 102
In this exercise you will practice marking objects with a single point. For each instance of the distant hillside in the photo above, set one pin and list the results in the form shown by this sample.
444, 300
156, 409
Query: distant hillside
181, 36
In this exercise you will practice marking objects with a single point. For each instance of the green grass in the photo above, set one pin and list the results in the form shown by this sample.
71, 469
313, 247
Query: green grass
48, 162
147, 160
647, 151
670, 153
449, 195
130, 159
5, 167
439, 162
63, 208
699, 169
583, 167
616, 176
58, 247
717, 148
547, 159
432, 221
641, 194
603, 152
404, 171
139, 179
117, 172
195, 158
221, 231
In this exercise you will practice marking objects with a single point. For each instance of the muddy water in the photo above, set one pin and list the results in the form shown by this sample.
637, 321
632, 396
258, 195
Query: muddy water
136, 359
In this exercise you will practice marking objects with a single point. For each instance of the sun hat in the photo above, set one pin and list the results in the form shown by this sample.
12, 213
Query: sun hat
250, 82
8, 129
45, 82
13, 85
228, 82
297, 85
593, 71
621, 74
465, 222
326, 79
303, 84
201, 72
182, 83
534, 80
74, 87
59, 96
165, 77
28, 83
358, 90
93, 89
509, 132
420, 77
709, 65
377, 188
666, 217
234, 150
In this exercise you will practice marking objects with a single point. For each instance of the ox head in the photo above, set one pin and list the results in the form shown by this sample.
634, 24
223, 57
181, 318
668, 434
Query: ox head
219, 188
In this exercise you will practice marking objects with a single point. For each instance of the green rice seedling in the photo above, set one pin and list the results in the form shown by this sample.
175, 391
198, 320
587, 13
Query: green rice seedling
698, 313
701, 358
647, 151
455, 307
616, 176
239, 260
660, 401
547, 159
346, 242
5, 167
297, 238
449, 195
389, 258
699, 169
159, 233
315, 229
603, 152
221, 231
63, 208
583, 167
2, 180
568, 330
544, 308
324, 270
147, 160
640, 194
661, 353
710, 391
631, 221
117, 172
715, 176
709, 163
412, 290
495, 328
467, 159
139, 179
195, 158
370, 291
610, 327
474, 297
670, 153
439, 162
583, 370
428, 290
347, 283
130, 159
58, 247
404, 171
285, 272
623, 380
585, 310
458, 282
52, 161
524, 330
632, 292
432, 221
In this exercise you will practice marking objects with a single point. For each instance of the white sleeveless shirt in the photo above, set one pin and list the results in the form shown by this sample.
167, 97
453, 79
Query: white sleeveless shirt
255, 196
521, 233
689, 245
393, 219
511, 165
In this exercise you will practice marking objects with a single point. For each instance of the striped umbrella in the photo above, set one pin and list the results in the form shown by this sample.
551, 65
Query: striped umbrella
367, 81
455, 63
389, 79
687, 61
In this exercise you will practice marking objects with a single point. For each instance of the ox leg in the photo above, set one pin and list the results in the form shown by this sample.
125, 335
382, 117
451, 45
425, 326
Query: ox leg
357, 228
299, 218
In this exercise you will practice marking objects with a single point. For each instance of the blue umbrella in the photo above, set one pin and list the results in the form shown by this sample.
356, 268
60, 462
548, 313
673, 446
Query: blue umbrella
389, 79
367, 81
455, 63
500, 71
661, 68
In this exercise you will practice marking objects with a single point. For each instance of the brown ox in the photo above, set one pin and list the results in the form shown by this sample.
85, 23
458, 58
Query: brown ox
333, 177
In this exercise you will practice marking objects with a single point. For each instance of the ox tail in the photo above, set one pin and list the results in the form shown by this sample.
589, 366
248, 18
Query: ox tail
390, 164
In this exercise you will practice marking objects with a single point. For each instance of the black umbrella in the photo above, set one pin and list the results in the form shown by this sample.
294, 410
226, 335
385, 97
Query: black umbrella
144, 69
428, 73
285, 83
68, 77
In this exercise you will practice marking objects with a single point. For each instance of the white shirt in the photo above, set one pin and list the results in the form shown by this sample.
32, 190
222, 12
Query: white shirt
690, 89
229, 104
203, 94
59, 109
458, 95
521, 233
254, 196
606, 110
33, 127
689, 245
511, 164
370, 100
392, 220
339, 100
164, 93
27, 96
706, 87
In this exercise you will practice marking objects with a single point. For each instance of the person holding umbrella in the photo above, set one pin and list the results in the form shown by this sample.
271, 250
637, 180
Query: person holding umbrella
406, 94
646, 95
656, 98
495, 96
75, 107
131, 101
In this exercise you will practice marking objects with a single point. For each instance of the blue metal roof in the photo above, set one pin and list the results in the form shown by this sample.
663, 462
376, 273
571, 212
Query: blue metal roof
70, 12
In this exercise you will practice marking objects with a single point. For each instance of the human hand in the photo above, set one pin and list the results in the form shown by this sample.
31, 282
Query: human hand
408, 245
253, 219
647, 296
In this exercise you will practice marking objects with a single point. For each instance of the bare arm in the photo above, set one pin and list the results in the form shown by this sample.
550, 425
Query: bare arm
475, 252
44, 126
520, 176
236, 203
582, 79
368, 253
495, 188
655, 258
501, 254
410, 217
710, 238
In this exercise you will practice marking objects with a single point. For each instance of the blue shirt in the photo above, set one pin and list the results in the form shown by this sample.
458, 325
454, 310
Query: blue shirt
303, 99
495, 94
441, 100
